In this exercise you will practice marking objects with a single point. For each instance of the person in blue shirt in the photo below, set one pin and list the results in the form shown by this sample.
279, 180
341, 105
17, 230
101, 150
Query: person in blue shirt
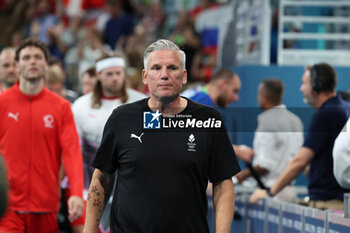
318, 88
222, 89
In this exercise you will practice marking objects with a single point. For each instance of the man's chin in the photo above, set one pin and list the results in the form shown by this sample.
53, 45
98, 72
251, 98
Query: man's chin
305, 101
11, 81
113, 92
222, 103
308, 101
33, 78
167, 98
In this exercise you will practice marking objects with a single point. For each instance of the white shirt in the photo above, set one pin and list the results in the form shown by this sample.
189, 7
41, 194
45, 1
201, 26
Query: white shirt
90, 121
341, 157
278, 137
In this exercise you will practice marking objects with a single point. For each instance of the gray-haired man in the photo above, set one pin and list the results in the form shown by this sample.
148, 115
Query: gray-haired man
164, 149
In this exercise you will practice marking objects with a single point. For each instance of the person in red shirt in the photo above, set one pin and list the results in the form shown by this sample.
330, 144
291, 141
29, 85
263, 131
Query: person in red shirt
37, 130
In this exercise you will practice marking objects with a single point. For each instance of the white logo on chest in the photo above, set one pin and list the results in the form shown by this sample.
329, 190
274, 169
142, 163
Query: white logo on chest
137, 137
48, 121
191, 145
14, 116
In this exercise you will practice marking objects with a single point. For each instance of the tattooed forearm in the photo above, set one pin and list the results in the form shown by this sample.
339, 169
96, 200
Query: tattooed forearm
96, 199
98, 195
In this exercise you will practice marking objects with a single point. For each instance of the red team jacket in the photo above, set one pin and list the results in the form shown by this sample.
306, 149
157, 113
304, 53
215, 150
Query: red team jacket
35, 131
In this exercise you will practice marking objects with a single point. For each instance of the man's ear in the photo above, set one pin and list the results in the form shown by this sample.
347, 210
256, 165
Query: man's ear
264, 97
144, 77
314, 93
221, 83
184, 77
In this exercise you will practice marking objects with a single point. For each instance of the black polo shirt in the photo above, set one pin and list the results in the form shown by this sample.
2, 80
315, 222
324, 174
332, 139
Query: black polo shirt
163, 172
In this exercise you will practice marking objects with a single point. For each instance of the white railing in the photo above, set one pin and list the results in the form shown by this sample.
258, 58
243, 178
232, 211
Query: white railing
302, 56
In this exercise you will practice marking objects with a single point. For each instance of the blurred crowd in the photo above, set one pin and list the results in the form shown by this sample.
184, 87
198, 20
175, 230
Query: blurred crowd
113, 34
77, 32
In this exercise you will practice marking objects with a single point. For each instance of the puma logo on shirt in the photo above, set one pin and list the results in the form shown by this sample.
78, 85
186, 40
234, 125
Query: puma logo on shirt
135, 136
14, 116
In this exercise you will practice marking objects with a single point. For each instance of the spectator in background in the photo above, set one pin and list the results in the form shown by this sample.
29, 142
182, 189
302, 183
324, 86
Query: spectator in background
90, 49
88, 80
318, 87
92, 110
153, 21
119, 27
278, 137
135, 46
222, 89
55, 81
43, 21
8, 72
16, 39
186, 38
37, 130
72, 36
203, 64
14, 16
55, 44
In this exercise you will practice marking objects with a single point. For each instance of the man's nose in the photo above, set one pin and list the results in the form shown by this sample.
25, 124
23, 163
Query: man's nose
13, 68
32, 60
234, 98
164, 73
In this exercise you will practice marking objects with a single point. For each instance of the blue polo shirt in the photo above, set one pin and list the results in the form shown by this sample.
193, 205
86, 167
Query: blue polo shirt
200, 95
325, 126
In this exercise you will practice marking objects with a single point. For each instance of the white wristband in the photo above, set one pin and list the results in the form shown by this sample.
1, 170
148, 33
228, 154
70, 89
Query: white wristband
234, 180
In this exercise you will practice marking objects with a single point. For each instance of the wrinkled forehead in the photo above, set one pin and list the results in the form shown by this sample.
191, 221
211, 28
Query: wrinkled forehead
164, 56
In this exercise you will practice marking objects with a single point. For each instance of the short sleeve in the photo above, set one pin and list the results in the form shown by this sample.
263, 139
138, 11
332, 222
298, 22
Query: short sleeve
106, 158
223, 160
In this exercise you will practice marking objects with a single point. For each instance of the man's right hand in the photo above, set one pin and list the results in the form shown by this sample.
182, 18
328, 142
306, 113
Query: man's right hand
258, 195
75, 208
